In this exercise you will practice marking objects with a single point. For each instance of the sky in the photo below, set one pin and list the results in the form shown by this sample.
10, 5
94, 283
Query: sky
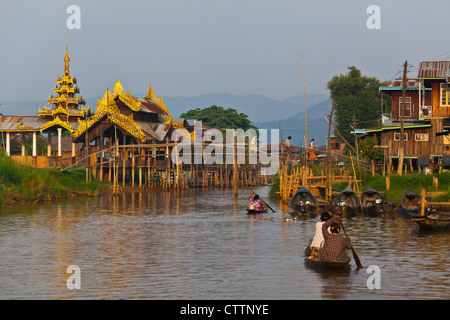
185, 48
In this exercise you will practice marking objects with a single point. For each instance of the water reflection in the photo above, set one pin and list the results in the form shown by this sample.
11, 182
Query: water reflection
201, 244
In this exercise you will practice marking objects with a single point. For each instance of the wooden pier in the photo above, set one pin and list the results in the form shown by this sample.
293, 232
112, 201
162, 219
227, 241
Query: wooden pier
292, 178
151, 165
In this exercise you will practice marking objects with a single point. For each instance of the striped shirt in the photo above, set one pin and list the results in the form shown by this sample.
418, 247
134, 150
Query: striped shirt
334, 245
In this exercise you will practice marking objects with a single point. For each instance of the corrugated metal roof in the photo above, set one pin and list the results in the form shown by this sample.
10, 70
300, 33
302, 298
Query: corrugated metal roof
148, 105
434, 69
154, 131
409, 83
397, 84
11, 123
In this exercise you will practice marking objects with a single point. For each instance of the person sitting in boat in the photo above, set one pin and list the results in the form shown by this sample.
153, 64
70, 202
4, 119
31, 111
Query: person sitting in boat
334, 244
255, 202
317, 242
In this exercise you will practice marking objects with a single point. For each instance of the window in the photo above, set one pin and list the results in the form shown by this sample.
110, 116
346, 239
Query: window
421, 136
445, 95
397, 136
407, 107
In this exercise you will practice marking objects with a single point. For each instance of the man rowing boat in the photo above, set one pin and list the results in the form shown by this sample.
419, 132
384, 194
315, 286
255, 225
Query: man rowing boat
334, 244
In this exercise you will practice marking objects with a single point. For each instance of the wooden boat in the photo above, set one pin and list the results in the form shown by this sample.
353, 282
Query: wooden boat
346, 202
411, 203
433, 220
253, 210
303, 201
374, 203
326, 264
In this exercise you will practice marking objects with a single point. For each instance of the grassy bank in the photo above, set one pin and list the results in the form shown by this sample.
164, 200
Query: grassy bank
398, 185
415, 182
21, 183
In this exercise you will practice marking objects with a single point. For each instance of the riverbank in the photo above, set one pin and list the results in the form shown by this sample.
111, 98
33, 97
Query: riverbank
397, 185
24, 184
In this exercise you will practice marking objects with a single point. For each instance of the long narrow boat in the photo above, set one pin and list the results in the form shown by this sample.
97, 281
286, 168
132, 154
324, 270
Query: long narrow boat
346, 202
263, 209
326, 264
411, 203
433, 221
374, 203
303, 201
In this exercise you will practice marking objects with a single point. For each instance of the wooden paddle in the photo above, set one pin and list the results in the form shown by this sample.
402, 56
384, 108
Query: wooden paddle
264, 202
355, 256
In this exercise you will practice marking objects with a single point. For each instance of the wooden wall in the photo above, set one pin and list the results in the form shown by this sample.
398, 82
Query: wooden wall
413, 148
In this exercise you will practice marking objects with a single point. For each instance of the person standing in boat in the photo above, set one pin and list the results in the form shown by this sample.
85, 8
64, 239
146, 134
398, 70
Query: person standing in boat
255, 201
334, 244
317, 242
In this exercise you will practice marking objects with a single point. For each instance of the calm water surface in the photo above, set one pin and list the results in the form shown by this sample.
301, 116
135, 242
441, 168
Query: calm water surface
203, 245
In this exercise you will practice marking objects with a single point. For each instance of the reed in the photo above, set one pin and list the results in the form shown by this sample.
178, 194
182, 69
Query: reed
22, 183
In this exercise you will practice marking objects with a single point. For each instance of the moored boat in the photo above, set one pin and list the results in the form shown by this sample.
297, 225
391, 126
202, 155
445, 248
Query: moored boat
410, 203
303, 201
374, 203
433, 220
346, 202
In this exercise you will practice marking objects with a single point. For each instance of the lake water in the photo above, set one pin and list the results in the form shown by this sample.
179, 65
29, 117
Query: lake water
203, 245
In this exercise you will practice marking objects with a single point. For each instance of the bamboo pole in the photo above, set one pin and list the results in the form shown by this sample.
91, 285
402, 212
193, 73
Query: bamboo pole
401, 145
328, 190
422, 202
123, 165
235, 173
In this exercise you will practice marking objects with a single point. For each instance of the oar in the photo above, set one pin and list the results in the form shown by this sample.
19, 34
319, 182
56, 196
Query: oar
265, 203
355, 256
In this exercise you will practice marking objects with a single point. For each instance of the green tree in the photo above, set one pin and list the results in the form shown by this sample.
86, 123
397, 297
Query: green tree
354, 95
220, 118
367, 149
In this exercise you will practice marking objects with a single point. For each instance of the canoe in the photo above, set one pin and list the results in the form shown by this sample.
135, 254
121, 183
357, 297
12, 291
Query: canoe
303, 201
326, 264
374, 203
255, 211
434, 220
347, 201
411, 203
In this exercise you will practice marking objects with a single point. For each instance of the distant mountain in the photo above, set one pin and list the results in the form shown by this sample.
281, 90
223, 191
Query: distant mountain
23, 108
264, 112
295, 126
258, 108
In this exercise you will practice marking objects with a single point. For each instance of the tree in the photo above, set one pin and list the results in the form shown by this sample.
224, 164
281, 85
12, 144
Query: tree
355, 97
367, 148
220, 118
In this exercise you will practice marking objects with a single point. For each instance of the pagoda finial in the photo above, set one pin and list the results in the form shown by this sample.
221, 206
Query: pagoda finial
66, 61
150, 93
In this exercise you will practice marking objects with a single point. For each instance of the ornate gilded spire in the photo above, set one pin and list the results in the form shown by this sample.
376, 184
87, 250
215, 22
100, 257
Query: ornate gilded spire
66, 63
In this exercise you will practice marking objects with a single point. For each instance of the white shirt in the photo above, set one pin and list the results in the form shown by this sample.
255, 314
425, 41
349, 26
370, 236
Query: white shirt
318, 237
288, 143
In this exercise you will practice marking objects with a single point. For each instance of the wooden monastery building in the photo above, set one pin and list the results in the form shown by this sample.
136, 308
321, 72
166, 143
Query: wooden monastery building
124, 139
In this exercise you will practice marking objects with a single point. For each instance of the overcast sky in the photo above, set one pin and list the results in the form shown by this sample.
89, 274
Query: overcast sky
194, 47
